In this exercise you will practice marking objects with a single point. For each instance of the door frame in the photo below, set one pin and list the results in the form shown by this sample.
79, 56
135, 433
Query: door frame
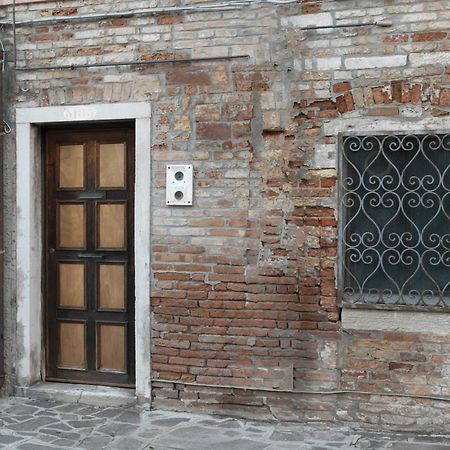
30, 231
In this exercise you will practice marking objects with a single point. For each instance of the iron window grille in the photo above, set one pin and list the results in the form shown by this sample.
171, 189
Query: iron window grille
394, 200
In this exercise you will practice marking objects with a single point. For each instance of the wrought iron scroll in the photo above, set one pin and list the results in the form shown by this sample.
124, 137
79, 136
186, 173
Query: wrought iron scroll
395, 200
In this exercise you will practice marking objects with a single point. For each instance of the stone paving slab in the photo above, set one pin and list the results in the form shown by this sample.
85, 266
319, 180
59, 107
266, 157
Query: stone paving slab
38, 425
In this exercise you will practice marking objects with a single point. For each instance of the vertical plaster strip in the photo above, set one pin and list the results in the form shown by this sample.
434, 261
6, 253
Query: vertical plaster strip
142, 253
29, 252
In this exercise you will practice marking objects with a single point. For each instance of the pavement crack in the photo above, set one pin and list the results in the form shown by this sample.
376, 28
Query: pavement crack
79, 397
355, 440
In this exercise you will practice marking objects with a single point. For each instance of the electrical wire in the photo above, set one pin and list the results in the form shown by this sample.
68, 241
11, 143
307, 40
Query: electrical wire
2, 47
6, 128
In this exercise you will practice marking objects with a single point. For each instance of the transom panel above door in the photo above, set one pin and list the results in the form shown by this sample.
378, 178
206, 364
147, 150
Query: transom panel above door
89, 255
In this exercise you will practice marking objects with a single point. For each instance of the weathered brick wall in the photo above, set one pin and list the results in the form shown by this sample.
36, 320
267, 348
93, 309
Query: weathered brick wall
244, 289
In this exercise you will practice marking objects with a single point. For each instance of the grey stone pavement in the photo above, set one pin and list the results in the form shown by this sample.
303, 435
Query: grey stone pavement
39, 424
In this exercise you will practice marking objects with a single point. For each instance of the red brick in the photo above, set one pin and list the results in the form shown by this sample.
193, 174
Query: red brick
323, 104
113, 23
439, 113
339, 88
188, 76
168, 19
44, 37
429, 36
444, 97
65, 12
250, 82
315, 131
159, 56
416, 93
390, 111
213, 131
310, 8
401, 92
238, 111
329, 114
240, 129
345, 103
396, 38
380, 95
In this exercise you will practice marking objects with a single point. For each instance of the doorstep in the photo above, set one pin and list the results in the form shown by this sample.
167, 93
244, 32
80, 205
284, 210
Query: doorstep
79, 393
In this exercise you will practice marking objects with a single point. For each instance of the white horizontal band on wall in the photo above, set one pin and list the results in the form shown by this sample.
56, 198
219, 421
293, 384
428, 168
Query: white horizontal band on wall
402, 321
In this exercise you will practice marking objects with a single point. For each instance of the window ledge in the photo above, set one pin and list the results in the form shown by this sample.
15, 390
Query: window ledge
394, 307
403, 321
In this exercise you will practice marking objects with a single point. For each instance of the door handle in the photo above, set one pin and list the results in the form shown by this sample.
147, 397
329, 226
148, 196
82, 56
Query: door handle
90, 255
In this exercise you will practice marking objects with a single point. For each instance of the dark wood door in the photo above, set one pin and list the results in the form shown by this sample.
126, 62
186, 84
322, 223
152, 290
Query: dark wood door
89, 255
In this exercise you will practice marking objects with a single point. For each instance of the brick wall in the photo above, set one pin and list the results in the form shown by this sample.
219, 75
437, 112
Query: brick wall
244, 289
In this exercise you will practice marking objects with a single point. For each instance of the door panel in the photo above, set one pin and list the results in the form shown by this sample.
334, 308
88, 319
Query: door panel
112, 166
72, 345
111, 226
71, 284
71, 166
111, 340
72, 225
112, 286
89, 265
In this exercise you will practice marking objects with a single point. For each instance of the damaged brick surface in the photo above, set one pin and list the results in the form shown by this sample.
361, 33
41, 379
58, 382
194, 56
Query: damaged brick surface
244, 282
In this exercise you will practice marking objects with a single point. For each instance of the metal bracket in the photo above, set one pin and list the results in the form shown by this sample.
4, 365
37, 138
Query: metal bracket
90, 255
92, 195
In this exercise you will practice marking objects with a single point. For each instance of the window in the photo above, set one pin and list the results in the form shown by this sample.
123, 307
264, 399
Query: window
395, 220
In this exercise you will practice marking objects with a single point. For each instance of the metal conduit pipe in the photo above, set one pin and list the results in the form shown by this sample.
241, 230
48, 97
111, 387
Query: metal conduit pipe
219, 6
132, 63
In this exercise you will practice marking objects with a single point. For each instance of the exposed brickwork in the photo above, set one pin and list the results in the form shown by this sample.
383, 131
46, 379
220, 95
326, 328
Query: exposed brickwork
244, 282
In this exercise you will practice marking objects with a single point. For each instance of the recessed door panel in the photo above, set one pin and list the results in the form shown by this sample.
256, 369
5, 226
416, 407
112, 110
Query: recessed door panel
111, 166
71, 166
72, 345
89, 215
71, 285
111, 339
111, 226
72, 225
112, 286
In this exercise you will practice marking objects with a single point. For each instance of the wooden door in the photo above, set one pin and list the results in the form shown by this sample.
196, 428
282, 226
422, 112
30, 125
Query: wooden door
89, 255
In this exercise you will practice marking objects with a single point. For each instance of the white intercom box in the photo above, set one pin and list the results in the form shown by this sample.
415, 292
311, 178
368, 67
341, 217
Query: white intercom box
179, 185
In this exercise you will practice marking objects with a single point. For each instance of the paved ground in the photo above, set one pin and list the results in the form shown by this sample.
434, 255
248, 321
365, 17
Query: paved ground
38, 425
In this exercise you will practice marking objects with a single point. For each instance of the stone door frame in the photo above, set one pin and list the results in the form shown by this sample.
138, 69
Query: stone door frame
30, 363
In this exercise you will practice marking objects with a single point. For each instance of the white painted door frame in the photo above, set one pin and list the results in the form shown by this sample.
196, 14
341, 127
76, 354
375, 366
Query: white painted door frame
30, 230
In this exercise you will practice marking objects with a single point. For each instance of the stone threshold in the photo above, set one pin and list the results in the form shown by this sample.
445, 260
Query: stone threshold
102, 396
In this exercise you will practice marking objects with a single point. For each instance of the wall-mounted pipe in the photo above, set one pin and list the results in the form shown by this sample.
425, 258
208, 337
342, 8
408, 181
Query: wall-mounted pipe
377, 23
132, 63
207, 7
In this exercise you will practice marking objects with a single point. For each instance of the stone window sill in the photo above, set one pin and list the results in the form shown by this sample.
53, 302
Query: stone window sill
401, 320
